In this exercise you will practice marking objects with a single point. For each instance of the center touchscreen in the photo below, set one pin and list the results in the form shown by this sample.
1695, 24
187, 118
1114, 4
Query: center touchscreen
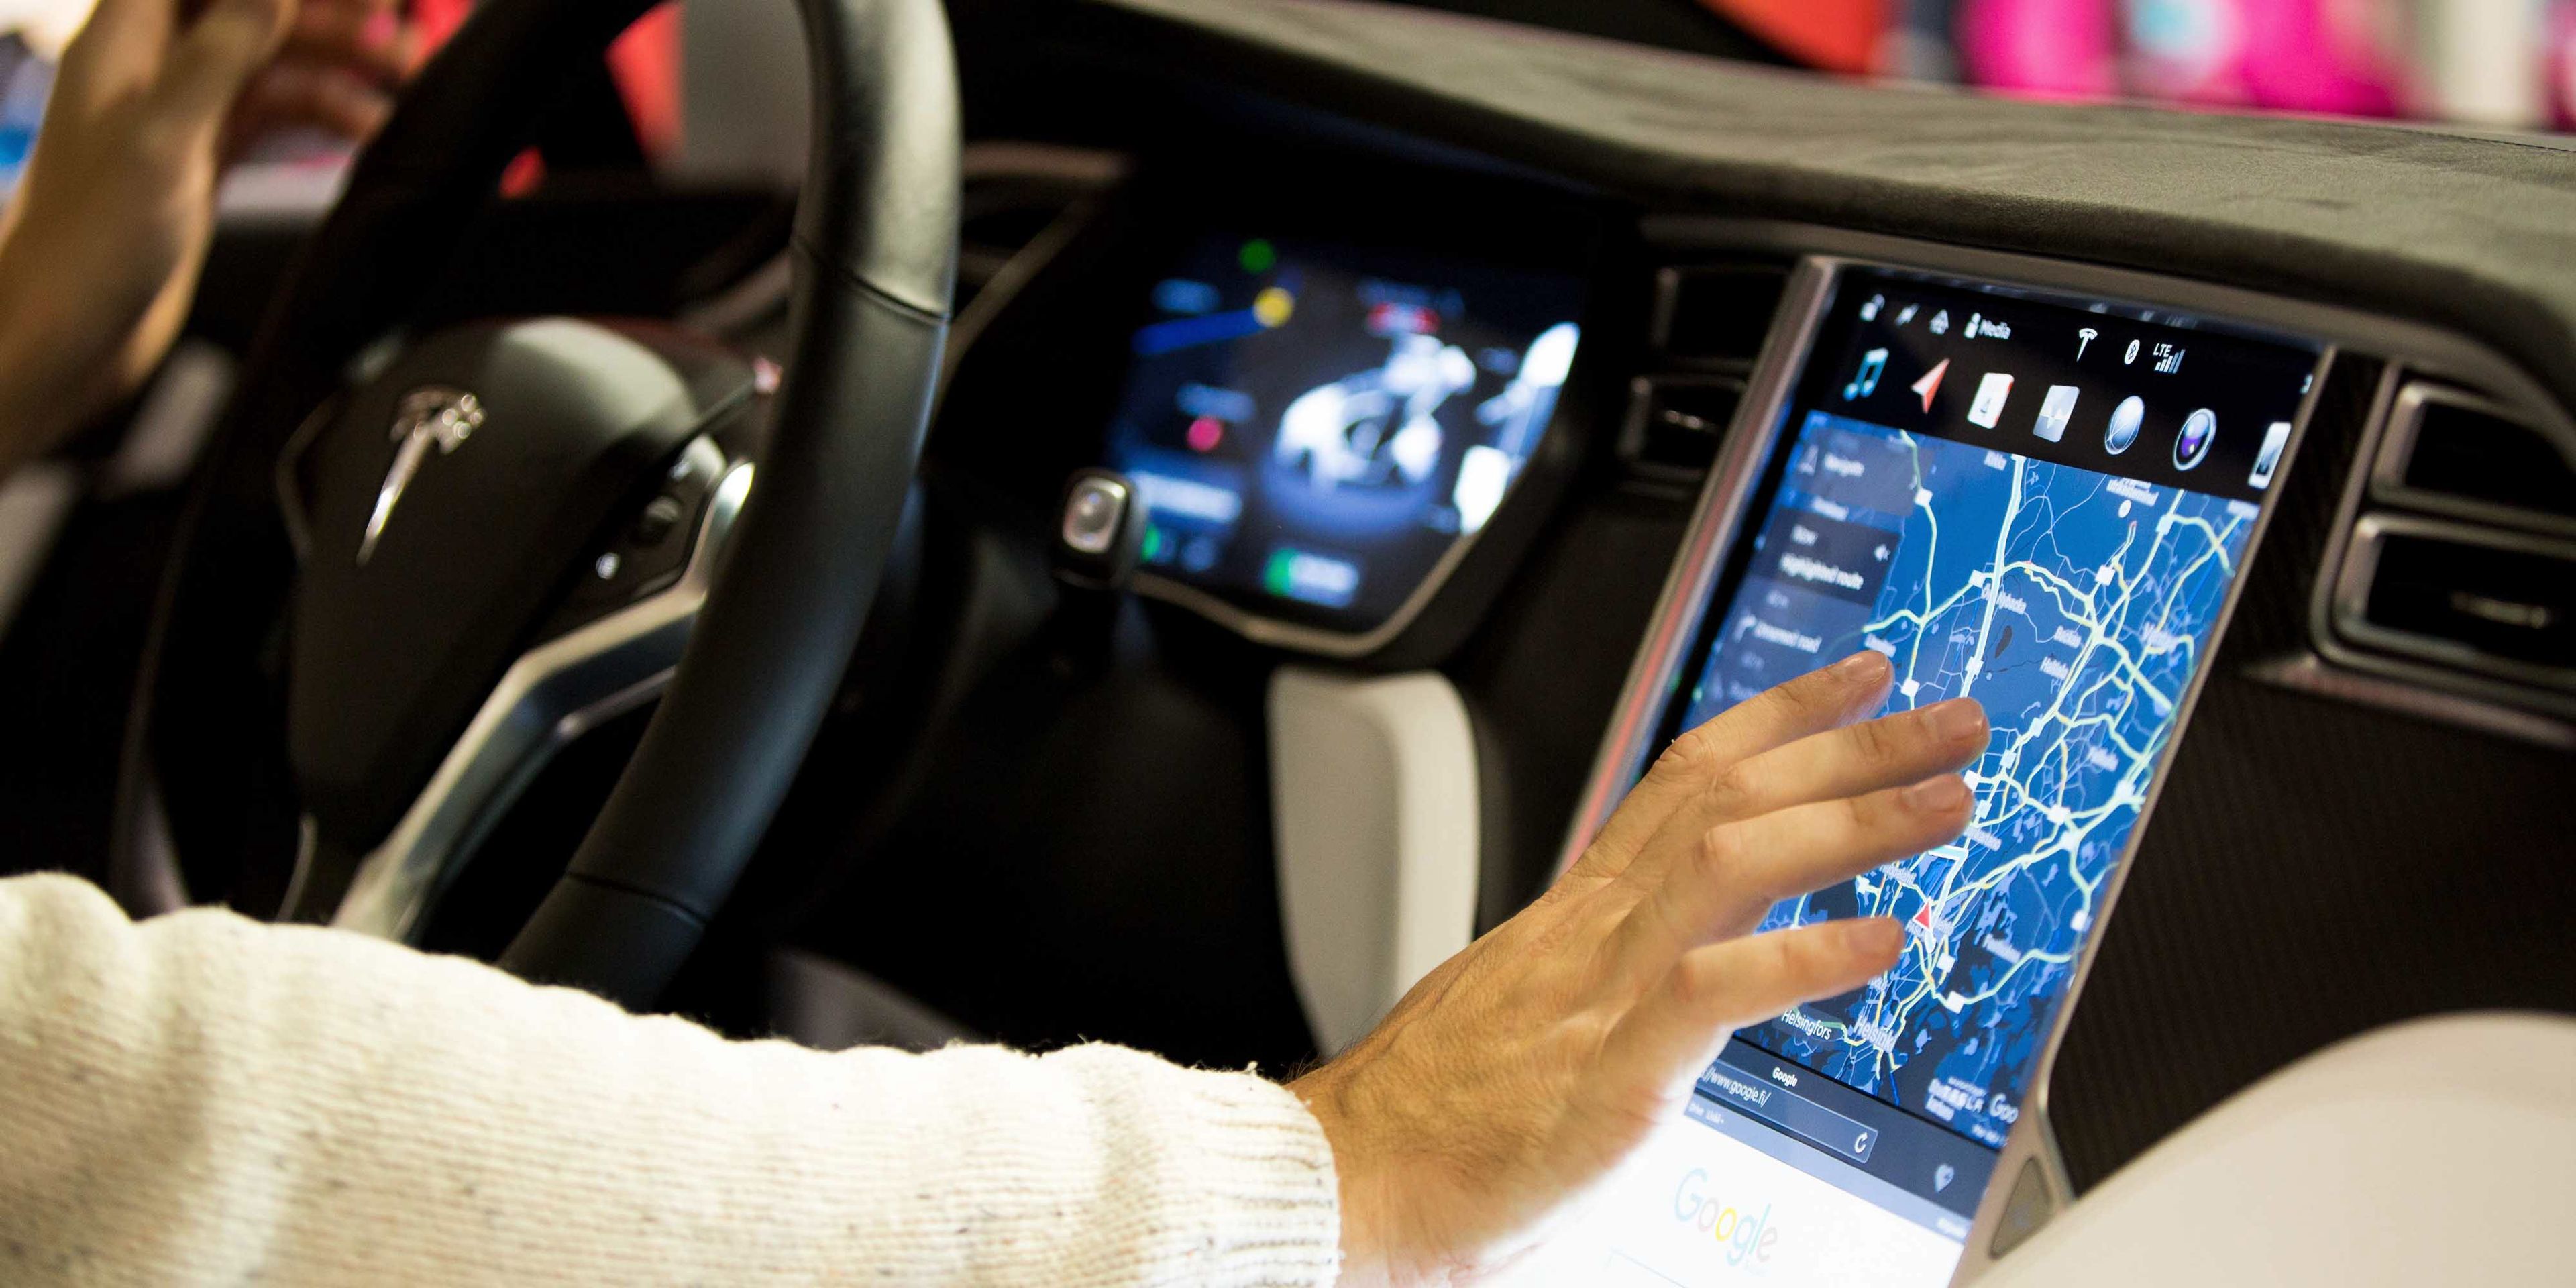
2035, 501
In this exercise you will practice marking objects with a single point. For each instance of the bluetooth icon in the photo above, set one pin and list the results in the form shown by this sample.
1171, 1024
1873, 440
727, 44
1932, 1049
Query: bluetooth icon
2083, 337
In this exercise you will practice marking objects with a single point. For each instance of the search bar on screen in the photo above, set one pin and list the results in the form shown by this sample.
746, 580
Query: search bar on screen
1837, 1134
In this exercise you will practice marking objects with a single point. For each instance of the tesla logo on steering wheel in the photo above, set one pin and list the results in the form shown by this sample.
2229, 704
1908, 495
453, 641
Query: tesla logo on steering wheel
430, 416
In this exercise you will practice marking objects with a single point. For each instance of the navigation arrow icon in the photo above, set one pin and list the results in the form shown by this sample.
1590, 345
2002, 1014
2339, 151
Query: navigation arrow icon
1931, 383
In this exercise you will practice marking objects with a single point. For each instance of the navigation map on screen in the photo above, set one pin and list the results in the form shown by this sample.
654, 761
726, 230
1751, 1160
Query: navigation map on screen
2071, 604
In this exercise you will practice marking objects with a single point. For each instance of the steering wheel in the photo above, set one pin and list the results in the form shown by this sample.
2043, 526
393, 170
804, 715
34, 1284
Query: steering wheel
424, 561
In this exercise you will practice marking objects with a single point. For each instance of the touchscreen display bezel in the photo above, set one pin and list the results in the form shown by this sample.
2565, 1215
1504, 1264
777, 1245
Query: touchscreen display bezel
1715, 560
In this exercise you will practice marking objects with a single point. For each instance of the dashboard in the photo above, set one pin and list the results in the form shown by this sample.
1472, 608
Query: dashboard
2039, 484
1591, 391
2037, 498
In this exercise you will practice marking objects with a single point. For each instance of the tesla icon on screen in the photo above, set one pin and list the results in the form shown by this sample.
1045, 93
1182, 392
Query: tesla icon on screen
1988, 409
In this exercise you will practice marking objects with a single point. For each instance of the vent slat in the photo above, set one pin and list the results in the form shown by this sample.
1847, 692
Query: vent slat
2452, 451
2490, 602
1675, 424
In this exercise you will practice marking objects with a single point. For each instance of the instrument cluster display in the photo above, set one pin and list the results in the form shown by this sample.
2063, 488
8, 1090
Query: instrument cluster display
1313, 427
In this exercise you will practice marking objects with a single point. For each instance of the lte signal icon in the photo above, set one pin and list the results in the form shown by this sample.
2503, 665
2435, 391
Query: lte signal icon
2083, 338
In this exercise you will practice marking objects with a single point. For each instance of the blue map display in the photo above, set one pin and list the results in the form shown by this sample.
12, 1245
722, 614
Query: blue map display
2074, 605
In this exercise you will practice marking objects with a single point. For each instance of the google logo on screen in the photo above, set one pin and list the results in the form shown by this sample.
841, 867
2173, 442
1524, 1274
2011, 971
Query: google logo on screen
1747, 1238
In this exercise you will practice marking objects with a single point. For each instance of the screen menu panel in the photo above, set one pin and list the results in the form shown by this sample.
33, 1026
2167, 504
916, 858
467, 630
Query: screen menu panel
2035, 501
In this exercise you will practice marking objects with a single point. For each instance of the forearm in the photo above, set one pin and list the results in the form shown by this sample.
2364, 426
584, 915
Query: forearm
68, 351
203, 1098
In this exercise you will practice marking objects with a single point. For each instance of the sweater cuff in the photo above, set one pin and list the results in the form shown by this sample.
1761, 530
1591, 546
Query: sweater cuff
1251, 1165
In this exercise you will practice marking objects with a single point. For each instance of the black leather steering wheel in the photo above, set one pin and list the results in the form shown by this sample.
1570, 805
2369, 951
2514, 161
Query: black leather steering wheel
874, 249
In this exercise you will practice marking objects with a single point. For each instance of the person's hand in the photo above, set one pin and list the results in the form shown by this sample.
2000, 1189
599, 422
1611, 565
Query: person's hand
1524, 1069
101, 248
336, 72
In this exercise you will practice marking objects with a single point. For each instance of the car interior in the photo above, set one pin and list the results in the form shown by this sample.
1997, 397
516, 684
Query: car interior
1159, 521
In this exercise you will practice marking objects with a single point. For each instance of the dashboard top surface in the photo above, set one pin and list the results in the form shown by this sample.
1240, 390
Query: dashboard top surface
2447, 228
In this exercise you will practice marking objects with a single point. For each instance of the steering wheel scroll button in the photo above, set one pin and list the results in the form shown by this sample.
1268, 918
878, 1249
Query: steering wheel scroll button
645, 552
661, 517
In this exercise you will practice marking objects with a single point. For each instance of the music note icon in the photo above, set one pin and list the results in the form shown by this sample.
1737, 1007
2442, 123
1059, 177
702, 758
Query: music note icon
1865, 381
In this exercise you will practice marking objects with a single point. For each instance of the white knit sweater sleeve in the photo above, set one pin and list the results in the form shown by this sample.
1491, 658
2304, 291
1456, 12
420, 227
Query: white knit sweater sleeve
203, 1099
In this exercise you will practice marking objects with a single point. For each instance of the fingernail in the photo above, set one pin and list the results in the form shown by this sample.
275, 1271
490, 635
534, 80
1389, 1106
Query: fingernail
1956, 720
1860, 666
1872, 936
1935, 795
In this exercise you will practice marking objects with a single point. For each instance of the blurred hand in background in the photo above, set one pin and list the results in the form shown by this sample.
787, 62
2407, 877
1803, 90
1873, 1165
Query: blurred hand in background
101, 249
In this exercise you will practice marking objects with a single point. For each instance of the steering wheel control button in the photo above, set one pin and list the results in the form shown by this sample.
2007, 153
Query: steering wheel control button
1094, 510
647, 550
660, 518
693, 473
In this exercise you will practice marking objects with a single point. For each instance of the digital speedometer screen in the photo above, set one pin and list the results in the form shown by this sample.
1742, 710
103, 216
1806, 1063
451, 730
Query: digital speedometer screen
2038, 502
1312, 427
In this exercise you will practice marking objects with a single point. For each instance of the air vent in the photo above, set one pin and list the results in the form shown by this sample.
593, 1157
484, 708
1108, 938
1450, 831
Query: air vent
2495, 603
1709, 324
1675, 423
1716, 314
2454, 452
2460, 564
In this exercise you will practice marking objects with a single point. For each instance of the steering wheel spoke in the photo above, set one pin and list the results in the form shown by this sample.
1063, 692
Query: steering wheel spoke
553, 694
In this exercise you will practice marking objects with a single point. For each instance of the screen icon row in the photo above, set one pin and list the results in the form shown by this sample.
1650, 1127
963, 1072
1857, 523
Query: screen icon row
2192, 442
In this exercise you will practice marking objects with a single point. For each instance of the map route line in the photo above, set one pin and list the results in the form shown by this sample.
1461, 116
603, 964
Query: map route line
2073, 606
